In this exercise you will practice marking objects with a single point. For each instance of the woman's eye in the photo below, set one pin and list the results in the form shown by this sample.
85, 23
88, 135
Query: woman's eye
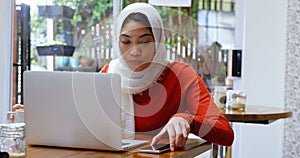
145, 42
125, 42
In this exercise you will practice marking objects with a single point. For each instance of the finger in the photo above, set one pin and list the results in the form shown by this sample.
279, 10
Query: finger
158, 136
186, 131
172, 137
184, 142
178, 134
182, 135
179, 141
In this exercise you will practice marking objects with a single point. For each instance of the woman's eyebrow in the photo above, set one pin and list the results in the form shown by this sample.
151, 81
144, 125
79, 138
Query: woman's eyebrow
125, 35
143, 35
147, 34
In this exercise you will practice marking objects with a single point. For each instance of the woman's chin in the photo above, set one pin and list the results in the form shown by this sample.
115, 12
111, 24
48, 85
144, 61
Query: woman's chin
138, 68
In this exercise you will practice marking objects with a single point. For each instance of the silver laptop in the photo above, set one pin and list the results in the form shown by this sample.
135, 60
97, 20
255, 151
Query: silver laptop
74, 109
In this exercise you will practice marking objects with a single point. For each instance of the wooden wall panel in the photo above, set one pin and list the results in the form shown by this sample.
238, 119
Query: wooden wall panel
14, 82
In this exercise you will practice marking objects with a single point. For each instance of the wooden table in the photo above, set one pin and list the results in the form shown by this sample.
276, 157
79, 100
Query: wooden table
252, 114
191, 150
257, 114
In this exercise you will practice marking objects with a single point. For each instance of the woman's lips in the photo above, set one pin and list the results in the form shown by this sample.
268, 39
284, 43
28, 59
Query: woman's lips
135, 62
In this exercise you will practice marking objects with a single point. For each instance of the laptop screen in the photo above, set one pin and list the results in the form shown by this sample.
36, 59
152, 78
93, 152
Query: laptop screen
73, 109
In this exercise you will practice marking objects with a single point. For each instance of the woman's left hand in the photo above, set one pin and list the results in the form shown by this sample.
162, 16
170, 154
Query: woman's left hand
178, 129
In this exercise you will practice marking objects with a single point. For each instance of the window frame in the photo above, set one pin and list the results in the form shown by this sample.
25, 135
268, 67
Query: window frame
6, 47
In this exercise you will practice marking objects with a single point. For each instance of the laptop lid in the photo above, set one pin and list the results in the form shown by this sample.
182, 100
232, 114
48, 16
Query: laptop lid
73, 109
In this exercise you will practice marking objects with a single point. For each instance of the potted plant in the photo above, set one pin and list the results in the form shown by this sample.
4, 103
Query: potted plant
55, 48
56, 11
62, 61
84, 61
74, 60
84, 53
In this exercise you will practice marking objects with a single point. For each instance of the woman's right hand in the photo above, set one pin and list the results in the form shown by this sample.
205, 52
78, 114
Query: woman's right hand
177, 129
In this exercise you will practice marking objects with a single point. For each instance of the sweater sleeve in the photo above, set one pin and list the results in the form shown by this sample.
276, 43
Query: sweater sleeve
104, 69
202, 113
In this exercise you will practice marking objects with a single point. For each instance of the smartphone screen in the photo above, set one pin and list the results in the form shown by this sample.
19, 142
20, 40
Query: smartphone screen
157, 148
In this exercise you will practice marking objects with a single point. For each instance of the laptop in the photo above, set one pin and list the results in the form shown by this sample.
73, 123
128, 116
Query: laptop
74, 109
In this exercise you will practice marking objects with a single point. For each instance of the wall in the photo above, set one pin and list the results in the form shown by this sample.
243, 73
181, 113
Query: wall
264, 47
291, 141
6, 25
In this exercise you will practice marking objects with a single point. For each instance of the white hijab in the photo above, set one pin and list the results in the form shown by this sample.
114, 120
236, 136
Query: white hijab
136, 82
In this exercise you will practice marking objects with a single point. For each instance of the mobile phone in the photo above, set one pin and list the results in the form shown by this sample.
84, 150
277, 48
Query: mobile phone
156, 149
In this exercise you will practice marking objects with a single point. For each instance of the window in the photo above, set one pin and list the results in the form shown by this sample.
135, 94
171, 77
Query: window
217, 17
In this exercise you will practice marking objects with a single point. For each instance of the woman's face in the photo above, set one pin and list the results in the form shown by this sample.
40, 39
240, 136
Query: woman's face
136, 45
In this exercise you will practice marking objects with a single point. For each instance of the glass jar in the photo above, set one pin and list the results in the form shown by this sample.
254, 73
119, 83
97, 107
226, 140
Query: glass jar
236, 99
220, 96
12, 138
239, 100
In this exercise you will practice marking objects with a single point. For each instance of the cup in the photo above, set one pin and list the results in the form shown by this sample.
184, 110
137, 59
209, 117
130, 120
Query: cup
18, 116
236, 99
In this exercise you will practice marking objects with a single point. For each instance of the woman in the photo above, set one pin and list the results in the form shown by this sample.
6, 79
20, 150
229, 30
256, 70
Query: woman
162, 97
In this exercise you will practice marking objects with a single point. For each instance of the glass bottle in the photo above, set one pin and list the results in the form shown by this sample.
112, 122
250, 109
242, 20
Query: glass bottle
12, 139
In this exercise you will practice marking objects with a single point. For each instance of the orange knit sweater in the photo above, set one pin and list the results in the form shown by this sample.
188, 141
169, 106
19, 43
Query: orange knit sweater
180, 91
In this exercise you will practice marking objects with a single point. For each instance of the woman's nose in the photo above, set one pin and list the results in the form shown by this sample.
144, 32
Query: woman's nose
135, 51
